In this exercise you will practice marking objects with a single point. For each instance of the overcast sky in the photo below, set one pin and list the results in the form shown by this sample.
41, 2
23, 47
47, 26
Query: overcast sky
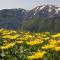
26, 4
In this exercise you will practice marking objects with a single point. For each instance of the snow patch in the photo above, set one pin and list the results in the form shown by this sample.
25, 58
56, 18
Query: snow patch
57, 10
37, 8
50, 8
34, 13
41, 7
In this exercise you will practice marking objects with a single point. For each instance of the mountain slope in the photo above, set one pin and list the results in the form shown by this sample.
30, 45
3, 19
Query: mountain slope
43, 18
12, 18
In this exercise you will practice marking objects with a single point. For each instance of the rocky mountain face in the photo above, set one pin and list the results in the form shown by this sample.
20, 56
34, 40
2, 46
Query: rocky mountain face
41, 18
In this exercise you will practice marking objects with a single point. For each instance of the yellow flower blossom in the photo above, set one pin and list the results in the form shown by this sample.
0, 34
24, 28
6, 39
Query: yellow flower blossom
47, 32
48, 46
10, 36
52, 42
56, 35
19, 42
57, 48
34, 42
58, 41
36, 55
46, 38
10, 45
6, 33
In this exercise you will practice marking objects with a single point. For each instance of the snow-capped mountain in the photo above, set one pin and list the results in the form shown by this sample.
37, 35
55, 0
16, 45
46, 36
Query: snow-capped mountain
43, 18
45, 11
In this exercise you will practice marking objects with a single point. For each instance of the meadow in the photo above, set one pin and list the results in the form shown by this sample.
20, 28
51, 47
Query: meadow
29, 46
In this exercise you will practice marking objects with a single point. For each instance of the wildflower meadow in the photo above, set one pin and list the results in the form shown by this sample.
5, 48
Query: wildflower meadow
29, 46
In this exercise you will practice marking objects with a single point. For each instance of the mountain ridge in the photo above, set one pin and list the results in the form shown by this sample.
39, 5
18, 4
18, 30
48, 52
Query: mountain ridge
40, 18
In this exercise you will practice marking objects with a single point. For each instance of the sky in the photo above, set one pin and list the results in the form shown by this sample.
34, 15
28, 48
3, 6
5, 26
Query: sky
26, 4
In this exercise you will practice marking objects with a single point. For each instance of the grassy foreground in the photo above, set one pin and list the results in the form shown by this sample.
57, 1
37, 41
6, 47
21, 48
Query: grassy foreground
29, 46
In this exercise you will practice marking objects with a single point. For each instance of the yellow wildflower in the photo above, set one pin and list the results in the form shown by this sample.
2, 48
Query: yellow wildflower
19, 42
58, 41
52, 42
36, 55
57, 48
56, 35
46, 38
34, 42
10, 45
48, 46
10, 36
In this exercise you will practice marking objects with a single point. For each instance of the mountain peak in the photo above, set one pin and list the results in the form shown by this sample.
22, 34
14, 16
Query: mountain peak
49, 10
